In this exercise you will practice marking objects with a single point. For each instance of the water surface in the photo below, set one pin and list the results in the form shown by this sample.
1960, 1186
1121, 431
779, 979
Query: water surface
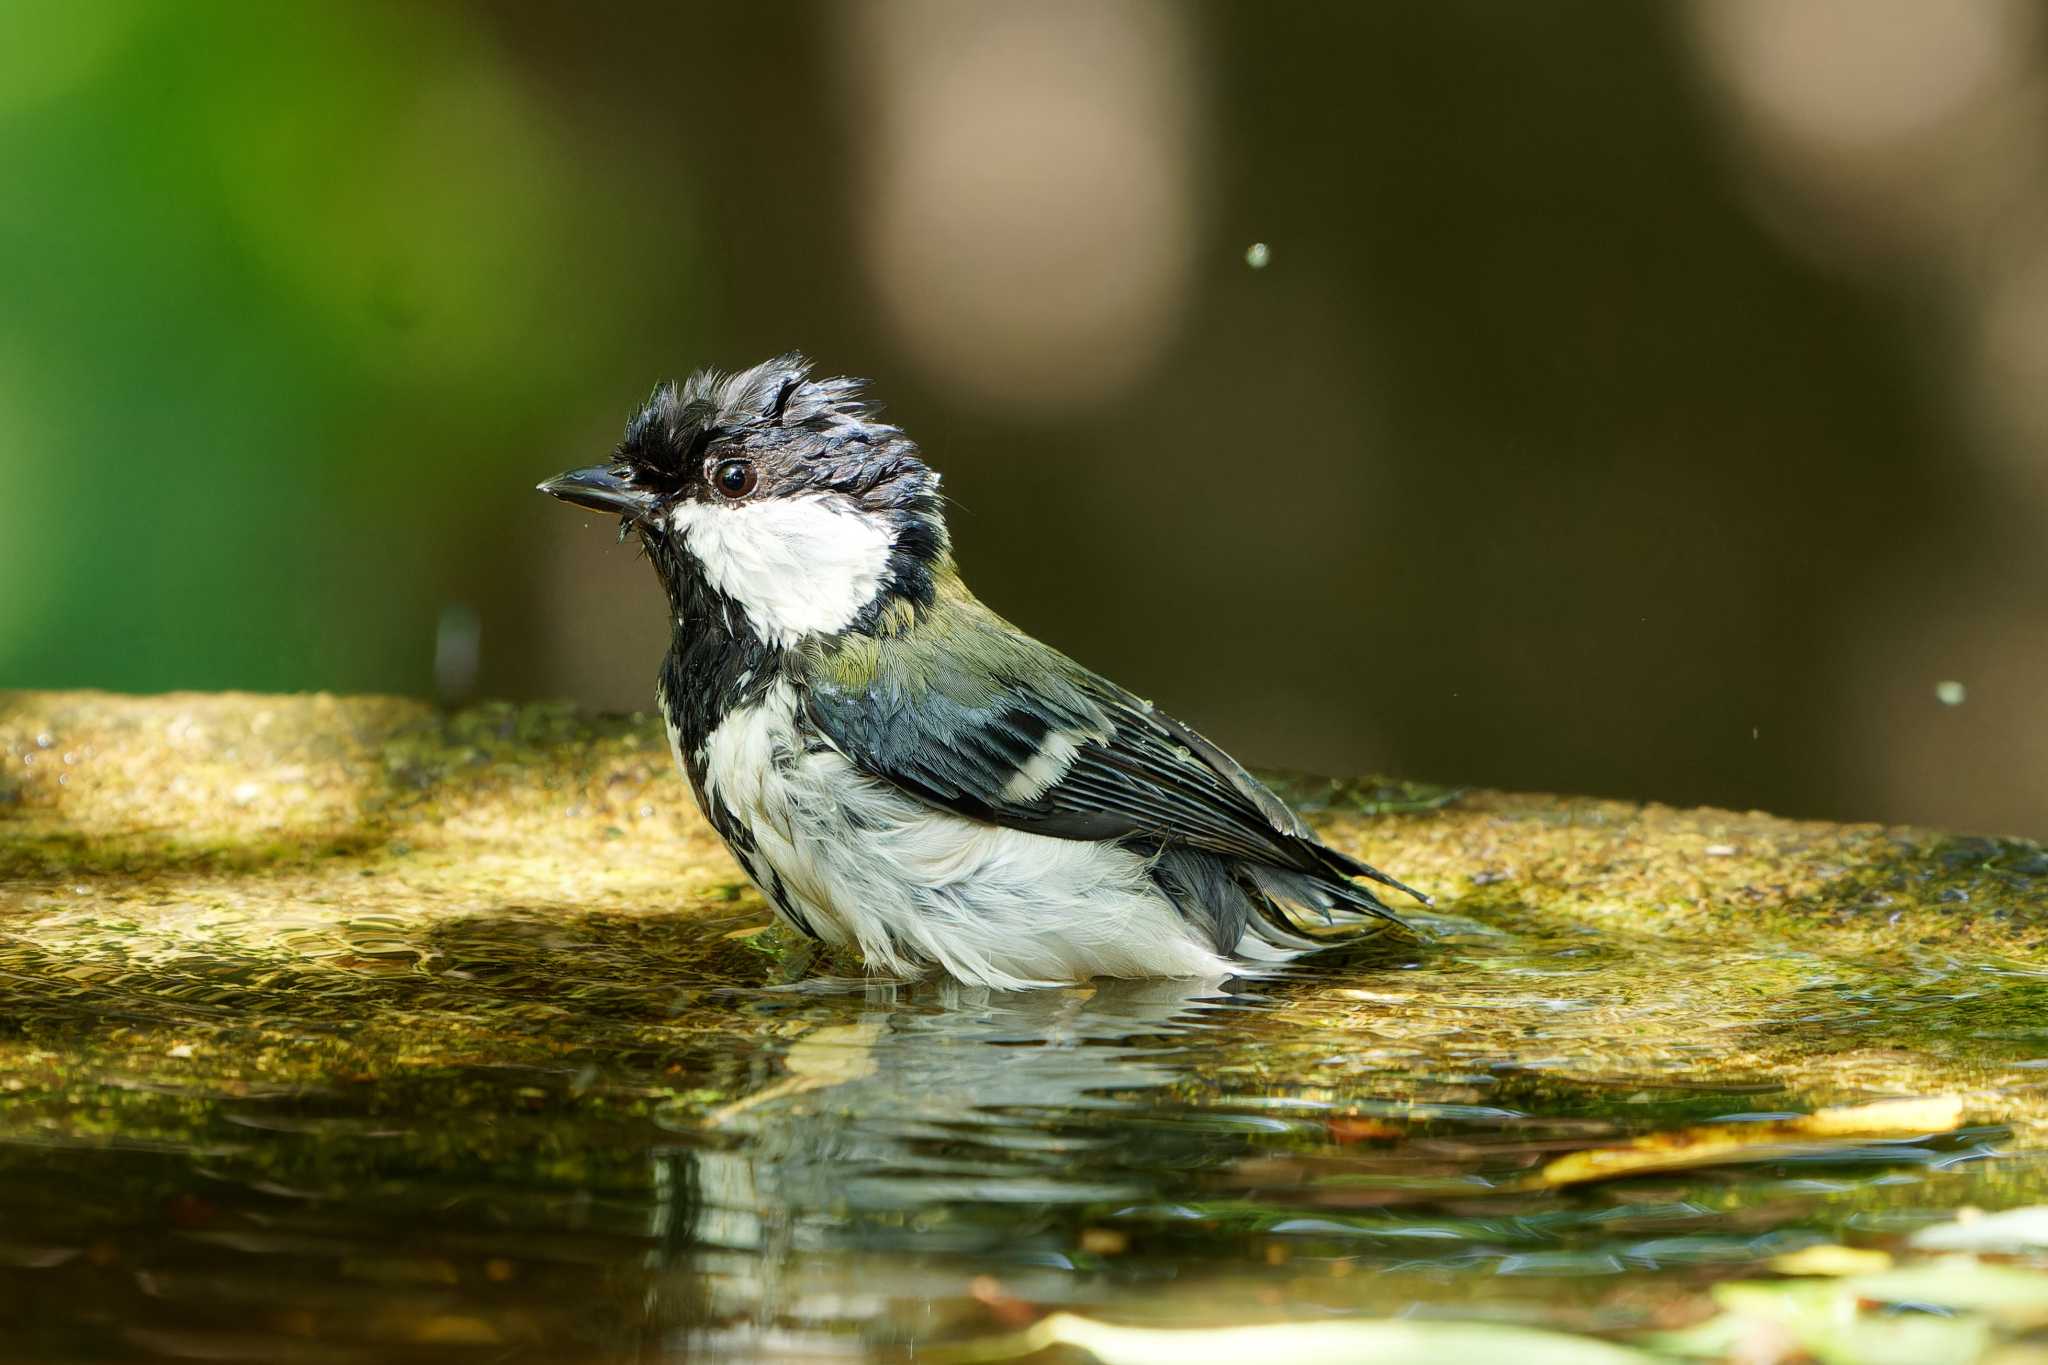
690, 1156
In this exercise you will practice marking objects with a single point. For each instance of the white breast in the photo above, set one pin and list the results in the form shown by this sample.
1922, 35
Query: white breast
797, 566
911, 885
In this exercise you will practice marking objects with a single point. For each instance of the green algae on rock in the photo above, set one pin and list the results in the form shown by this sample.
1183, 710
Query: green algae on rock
463, 1026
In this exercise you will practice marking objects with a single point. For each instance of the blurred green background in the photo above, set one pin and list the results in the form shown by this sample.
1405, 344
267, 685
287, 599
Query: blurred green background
1636, 399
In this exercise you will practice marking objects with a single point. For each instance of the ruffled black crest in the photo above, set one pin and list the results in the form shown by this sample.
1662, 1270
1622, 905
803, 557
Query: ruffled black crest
762, 407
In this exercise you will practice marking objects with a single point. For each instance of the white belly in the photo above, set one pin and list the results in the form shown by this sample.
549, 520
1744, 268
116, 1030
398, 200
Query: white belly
912, 885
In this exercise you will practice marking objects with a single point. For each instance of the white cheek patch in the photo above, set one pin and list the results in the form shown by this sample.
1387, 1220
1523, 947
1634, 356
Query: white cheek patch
797, 566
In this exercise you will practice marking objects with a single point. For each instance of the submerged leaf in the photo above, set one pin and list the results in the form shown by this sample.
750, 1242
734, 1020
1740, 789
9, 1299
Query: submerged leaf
1724, 1143
1832, 1260
2013, 1230
1933, 1114
1822, 1319
1960, 1282
1882, 1318
1381, 1341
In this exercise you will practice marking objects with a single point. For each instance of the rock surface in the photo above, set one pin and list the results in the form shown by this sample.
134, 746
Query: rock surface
315, 853
548, 808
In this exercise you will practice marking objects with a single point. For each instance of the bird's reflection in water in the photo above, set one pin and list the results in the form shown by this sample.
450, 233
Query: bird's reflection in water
947, 1132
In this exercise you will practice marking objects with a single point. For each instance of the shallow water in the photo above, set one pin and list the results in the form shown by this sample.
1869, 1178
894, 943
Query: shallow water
679, 1153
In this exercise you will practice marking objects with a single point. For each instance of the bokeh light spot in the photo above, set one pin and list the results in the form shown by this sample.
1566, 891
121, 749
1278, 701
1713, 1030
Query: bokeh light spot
1029, 199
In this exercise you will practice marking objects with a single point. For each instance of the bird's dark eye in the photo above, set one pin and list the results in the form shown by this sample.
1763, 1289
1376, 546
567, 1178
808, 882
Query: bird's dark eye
734, 478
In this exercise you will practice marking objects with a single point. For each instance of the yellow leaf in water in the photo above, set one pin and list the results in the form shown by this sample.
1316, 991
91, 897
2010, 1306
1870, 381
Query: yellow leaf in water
1382, 1341
451, 1330
1724, 1143
2021, 1229
1104, 1241
1831, 1260
1937, 1114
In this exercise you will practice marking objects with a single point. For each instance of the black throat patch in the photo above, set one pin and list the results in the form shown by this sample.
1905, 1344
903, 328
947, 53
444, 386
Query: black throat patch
715, 660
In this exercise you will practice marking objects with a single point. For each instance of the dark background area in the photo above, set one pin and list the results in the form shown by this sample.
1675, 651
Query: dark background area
1646, 400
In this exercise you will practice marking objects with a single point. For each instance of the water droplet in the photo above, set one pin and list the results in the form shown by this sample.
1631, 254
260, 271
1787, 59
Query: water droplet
1258, 255
458, 638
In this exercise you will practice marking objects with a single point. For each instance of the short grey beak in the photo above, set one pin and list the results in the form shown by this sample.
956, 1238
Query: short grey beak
601, 488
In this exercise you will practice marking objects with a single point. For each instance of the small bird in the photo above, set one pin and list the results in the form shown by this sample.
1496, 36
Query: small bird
898, 768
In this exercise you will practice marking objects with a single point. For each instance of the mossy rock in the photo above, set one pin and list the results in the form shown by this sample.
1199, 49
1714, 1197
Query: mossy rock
323, 855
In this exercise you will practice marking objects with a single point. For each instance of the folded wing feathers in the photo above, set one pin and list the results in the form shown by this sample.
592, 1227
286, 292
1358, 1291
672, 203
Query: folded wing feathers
1226, 850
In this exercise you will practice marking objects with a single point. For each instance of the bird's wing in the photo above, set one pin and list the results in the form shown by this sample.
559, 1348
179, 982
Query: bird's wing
971, 714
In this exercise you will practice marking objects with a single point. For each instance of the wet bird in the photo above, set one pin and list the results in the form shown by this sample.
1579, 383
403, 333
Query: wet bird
898, 768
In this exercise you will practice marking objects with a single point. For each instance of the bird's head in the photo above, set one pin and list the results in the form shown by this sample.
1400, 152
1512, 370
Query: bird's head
776, 496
